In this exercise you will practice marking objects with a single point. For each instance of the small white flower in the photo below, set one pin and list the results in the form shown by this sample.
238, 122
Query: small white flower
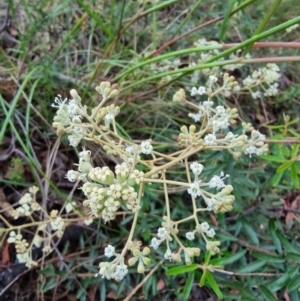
194, 91
256, 95
212, 79
201, 90
162, 232
210, 139
196, 168
155, 243
59, 102
121, 271
109, 251
129, 149
218, 182
220, 110
204, 226
210, 233
146, 147
168, 255
70, 206
196, 117
194, 190
72, 175
190, 235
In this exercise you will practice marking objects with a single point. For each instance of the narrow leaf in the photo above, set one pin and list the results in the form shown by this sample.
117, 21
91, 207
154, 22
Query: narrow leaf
213, 284
273, 158
295, 150
279, 283
294, 175
225, 20
182, 269
293, 284
284, 166
267, 257
293, 256
286, 244
276, 240
250, 232
254, 266
266, 293
233, 258
264, 22
203, 278
188, 286
276, 179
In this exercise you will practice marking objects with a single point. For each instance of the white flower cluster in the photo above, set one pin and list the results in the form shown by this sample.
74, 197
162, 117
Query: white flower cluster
27, 204
263, 82
206, 55
116, 269
106, 191
71, 113
163, 234
255, 144
21, 245
57, 224
220, 202
216, 119
202, 228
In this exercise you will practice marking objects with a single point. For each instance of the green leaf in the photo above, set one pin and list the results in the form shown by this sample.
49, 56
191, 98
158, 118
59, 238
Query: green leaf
284, 166
294, 284
293, 256
267, 257
254, 266
272, 158
49, 285
294, 175
279, 152
47, 270
295, 150
207, 257
266, 293
293, 271
250, 232
294, 133
233, 258
188, 286
267, 16
203, 278
286, 244
295, 296
225, 20
213, 284
182, 269
276, 179
276, 240
243, 291
279, 283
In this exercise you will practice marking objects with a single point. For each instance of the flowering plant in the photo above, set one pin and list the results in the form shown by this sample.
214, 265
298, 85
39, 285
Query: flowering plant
111, 192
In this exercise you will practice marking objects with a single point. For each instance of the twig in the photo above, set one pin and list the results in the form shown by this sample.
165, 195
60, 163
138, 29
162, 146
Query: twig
143, 281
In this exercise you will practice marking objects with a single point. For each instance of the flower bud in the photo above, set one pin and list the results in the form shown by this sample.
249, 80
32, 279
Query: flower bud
141, 267
132, 261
